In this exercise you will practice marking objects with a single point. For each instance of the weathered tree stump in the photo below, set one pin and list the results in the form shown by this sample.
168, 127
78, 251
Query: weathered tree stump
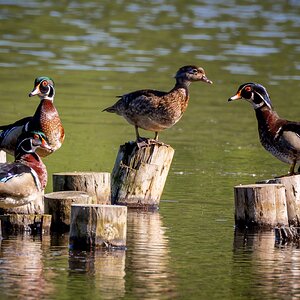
292, 193
58, 205
95, 184
260, 205
2, 156
34, 207
96, 225
140, 173
14, 223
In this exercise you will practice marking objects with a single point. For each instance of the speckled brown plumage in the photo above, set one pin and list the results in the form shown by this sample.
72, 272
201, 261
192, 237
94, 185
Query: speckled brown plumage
278, 136
156, 110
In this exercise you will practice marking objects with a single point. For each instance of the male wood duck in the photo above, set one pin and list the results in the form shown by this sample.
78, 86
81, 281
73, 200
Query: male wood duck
155, 110
278, 136
25, 179
45, 119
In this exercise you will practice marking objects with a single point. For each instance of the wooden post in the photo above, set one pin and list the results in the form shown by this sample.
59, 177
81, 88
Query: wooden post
292, 192
98, 225
95, 184
34, 207
2, 156
14, 223
139, 174
260, 205
58, 204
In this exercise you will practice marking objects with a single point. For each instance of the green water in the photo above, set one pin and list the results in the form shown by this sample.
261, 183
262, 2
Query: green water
95, 51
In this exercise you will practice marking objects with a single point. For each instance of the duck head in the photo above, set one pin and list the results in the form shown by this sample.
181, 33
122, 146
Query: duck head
44, 88
29, 142
254, 93
191, 73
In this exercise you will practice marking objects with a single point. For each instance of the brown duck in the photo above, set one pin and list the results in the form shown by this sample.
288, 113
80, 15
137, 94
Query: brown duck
156, 110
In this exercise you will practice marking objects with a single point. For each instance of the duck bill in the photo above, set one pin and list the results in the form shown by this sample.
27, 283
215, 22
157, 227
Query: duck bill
235, 97
45, 145
205, 79
35, 91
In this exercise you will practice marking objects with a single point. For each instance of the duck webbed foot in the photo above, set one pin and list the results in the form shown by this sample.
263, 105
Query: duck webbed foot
145, 142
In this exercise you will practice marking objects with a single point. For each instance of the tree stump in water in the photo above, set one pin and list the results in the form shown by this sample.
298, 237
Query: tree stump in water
2, 156
140, 173
292, 193
98, 225
95, 184
14, 223
58, 205
34, 207
260, 205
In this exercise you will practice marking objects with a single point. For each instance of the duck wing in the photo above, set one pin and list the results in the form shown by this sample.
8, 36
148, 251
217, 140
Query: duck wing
21, 122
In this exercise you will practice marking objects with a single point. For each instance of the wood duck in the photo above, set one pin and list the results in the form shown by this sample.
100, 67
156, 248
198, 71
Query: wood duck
25, 179
155, 110
278, 136
45, 119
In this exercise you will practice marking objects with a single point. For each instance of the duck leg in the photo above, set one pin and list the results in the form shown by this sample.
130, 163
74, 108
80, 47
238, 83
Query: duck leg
292, 168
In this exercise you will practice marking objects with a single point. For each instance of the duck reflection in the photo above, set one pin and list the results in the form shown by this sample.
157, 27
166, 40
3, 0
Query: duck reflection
273, 269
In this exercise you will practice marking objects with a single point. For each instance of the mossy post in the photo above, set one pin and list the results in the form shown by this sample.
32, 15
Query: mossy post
260, 205
58, 205
96, 226
96, 184
2, 156
140, 173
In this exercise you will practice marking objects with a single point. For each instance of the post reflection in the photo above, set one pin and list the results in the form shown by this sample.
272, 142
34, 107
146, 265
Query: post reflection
105, 268
148, 256
257, 257
22, 267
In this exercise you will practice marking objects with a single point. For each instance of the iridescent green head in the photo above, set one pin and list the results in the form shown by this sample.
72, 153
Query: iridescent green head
43, 87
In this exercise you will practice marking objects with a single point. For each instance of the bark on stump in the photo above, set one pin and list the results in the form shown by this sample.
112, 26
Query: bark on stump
58, 205
140, 173
34, 207
292, 193
95, 184
2, 156
15, 223
95, 225
260, 205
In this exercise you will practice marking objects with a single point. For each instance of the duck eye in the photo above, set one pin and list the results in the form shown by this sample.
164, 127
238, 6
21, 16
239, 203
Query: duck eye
248, 89
194, 71
44, 83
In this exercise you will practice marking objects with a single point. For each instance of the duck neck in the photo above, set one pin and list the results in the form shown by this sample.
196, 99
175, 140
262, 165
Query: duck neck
266, 119
33, 161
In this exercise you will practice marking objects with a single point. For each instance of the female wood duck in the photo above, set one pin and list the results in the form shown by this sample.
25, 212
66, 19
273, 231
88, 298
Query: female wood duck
278, 136
155, 110
25, 179
45, 119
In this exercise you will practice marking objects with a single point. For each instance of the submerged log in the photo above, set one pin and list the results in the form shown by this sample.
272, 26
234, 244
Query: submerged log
34, 207
98, 225
260, 205
292, 193
2, 156
95, 184
14, 223
140, 173
58, 205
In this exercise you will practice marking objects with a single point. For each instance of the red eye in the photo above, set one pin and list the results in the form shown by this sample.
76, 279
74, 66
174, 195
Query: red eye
44, 83
248, 89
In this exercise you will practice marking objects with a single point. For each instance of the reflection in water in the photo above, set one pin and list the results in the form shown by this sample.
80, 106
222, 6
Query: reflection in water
271, 270
22, 275
148, 259
105, 268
